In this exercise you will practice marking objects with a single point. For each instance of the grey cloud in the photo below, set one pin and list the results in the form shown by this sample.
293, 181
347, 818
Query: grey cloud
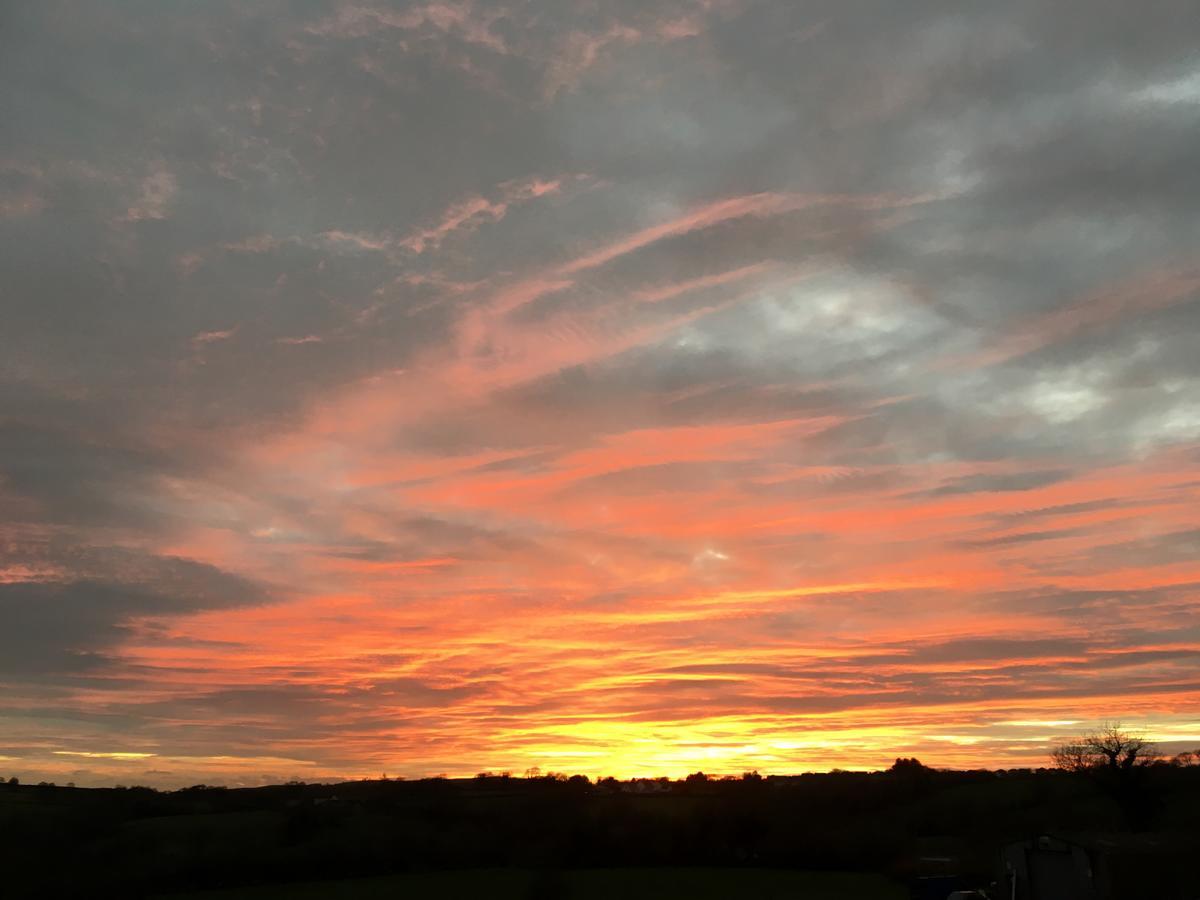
249, 160
997, 648
203, 220
1022, 481
79, 481
1162, 549
416, 693
1024, 537
428, 536
1065, 509
55, 628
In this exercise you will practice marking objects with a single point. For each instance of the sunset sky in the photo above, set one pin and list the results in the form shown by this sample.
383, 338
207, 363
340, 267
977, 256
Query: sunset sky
620, 387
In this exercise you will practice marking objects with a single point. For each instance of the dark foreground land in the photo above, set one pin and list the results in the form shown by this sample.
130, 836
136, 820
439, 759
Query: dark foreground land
583, 884
809, 837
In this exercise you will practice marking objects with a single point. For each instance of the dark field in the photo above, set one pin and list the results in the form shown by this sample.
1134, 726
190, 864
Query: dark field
842, 835
584, 884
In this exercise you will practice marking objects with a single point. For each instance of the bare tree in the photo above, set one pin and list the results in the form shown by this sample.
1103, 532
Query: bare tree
1119, 763
1108, 750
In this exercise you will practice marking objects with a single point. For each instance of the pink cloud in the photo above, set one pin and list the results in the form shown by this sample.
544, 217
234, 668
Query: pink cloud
465, 216
208, 337
461, 20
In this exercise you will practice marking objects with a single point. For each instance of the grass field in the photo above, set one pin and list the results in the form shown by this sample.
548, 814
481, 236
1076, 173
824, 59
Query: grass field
588, 884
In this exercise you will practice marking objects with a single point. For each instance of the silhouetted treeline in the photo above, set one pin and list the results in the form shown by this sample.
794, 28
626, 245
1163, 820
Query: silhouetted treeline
133, 842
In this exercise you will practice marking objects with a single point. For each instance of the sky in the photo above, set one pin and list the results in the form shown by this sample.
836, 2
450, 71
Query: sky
625, 388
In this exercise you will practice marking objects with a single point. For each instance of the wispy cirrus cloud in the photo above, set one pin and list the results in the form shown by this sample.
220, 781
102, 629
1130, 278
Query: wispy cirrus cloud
464, 216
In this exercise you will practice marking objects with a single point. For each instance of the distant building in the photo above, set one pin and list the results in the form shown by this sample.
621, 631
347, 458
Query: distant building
1049, 868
